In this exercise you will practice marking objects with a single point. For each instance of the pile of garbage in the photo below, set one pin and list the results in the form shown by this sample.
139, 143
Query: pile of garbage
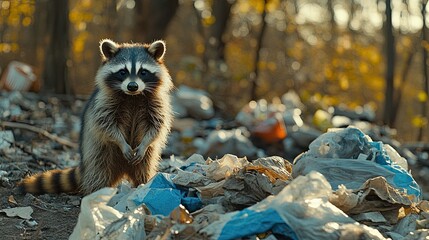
229, 179
346, 186
263, 128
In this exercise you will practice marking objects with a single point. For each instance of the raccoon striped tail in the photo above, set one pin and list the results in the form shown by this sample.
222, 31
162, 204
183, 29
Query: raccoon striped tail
53, 181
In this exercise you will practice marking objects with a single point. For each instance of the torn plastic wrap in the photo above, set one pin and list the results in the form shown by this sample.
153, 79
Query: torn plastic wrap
95, 215
162, 196
98, 220
300, 211
348, 156
256, 181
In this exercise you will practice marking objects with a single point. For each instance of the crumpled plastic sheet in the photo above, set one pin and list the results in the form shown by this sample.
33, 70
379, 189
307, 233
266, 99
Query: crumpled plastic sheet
348, 156
255, 182
225, 167
130, 226
98, 220
95, 215
22, 212
247, 188
300, 211
363, 200
162, 196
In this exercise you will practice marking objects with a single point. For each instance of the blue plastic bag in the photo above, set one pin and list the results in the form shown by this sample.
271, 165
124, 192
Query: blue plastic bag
162, 196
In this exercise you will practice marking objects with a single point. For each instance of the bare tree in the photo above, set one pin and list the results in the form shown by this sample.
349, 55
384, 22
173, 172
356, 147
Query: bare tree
214, 42
403, 80
390, 64
153, 18
425, 70
55, 70
255, 73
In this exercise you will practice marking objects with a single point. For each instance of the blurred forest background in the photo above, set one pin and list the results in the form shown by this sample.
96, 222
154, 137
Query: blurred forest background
356, 53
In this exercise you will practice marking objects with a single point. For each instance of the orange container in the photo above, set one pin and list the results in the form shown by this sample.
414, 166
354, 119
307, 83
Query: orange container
271, 130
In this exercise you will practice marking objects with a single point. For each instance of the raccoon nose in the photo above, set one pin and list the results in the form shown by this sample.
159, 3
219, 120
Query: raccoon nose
132, 86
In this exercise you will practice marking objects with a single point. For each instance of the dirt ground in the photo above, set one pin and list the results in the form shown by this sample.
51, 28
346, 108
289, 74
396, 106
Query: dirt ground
56, 216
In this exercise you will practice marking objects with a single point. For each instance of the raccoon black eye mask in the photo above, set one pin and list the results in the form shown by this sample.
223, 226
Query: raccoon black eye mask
125, 123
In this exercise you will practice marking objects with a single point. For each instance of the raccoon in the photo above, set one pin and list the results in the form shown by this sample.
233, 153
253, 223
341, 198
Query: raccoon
125, 122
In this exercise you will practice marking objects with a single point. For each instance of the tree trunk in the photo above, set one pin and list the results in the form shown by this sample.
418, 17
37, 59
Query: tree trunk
399, 89
153, 18
255, 73
390, 64
55, 69
425, 72
215, 45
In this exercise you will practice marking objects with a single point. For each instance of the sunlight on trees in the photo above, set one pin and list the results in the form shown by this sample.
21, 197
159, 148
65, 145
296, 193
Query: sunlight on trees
329, 51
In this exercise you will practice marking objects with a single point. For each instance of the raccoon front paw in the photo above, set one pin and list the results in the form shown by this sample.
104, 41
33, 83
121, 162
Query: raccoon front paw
128, 152
139, 153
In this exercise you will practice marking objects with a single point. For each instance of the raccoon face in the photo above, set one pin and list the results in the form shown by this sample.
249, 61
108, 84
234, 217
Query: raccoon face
132, 68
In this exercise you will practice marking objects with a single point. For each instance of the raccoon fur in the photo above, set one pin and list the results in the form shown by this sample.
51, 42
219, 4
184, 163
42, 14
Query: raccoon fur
125, 123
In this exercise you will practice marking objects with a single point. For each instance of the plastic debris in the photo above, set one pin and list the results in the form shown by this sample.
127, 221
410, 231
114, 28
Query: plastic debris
299, 211
266, 121
299, 208
22, 212
161, 196
349, 157
6, 140
130, 226
374, 217
363, 188
221, 142
291, 100
20, 77
225, 167
256, 181
192, 102
95, 215
271, 130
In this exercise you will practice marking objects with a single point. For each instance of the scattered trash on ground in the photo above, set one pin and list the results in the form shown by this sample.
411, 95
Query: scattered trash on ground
19, 76
22, 212
232, 197
274, 171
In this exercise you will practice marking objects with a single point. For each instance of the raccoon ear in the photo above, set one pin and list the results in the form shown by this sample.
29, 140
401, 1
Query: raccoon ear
157, 49
108, 48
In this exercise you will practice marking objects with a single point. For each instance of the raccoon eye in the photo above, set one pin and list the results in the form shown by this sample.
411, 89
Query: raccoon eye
122, 72
143, 72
